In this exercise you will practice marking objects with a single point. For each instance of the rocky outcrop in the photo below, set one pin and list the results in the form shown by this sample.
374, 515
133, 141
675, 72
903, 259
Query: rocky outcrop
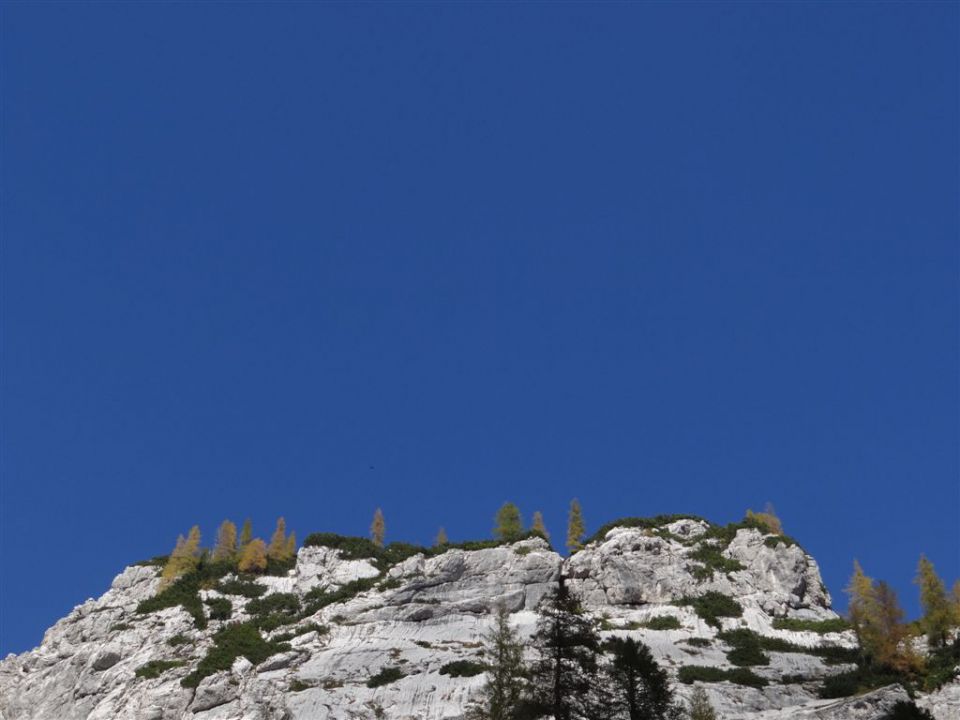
427, 611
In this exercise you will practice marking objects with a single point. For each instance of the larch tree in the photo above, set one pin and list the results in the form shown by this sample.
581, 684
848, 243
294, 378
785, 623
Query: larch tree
508, 525
226, 547
699, 707
502, 696
184, 558
864, 612
937, 610
538, 527
575, 527
768, 519
892, 646
246, 534
955, 598
253, 557
441, 540
277, 550
378, 528
290, 549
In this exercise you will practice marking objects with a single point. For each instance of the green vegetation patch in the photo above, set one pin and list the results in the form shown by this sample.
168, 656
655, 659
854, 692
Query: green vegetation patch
662, 622
220, 608
241, 586
155, 668
463, 668
711, 606
817, 626
859, 681
747, 648
707, 673
649, 523
178, 639
317, 599
385, 677
231, 642
713, 561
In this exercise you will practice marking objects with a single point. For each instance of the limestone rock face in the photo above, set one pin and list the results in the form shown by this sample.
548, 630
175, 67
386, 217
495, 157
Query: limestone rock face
432, 609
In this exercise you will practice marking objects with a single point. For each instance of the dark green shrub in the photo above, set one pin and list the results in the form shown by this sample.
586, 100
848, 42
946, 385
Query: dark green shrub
698, 642
662, 622
385, 677
231, 642
858, 681
185, 592
351, 548
713, 605
220, 608
156, 561
817, 626
178, 639
706, 673
244, 588
713, 561
317, 598
298, 685
789, 679
121, 627
908, 711
155, 668
463, 668
747, 649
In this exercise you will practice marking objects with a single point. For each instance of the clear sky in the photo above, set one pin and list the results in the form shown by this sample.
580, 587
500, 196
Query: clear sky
310, 259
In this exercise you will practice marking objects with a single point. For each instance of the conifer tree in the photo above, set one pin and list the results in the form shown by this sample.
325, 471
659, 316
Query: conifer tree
937, 612
441, 540
508, 525
892, 645
246, 534
184, 558
768, 519
537, 525
378, 528
290, 550
955, 598
564, 676
864, 612
226, 547
636, 688
253, 557
575, 528
700, 707
277, 549
502, 696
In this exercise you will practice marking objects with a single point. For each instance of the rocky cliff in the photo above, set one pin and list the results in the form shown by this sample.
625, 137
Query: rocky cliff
336, 621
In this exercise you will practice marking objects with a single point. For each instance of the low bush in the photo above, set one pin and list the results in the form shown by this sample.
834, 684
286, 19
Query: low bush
463, 668
298, 685
385, 677
817, 626
908, 711
706, 673
155, 668
712, 606
858, 681
662, 622
220, 608
698, 642
243, 587
231, 642
317, 599
649, 523
713, 561
177, 640
747, 648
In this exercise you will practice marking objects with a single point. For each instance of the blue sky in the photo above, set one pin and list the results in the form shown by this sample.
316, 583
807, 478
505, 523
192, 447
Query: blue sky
311, 259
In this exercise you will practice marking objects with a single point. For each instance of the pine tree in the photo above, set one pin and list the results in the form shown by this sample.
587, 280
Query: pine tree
441, 540
700, 707
378, 528
253, 558
184, 558
246, 534
508, 525
937, 612
277, 550
636, 688
290, 549
502, 696
575, 528
564, 676
955, 599
537, 525
226, 547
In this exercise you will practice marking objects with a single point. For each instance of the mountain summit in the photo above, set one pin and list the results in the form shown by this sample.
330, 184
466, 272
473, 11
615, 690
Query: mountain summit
353, 630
